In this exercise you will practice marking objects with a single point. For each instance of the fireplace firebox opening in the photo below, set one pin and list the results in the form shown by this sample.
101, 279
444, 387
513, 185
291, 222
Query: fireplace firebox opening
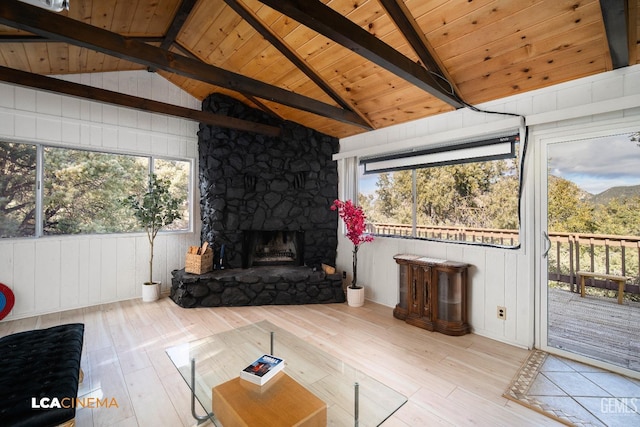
262, 247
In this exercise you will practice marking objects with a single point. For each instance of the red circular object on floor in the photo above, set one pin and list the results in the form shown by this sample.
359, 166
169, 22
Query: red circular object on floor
7, 299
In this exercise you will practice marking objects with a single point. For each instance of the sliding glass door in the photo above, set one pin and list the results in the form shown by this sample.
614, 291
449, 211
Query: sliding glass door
590, 223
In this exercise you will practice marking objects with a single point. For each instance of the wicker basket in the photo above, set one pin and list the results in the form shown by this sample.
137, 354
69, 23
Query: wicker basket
199, 264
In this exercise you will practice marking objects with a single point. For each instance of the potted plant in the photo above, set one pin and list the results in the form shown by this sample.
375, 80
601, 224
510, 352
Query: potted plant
154, 209
354, 219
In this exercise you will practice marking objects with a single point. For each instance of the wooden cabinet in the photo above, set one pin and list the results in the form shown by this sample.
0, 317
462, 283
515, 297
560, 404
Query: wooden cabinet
433, 294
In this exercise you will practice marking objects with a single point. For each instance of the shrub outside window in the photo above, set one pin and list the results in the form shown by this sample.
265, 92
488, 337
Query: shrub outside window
17, 190
82, 191
178, 173
469, 201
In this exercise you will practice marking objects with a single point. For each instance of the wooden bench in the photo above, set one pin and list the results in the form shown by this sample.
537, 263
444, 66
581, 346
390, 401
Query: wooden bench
620, 280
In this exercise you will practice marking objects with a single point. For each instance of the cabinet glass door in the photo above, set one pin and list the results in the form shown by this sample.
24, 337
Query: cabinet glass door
449, 297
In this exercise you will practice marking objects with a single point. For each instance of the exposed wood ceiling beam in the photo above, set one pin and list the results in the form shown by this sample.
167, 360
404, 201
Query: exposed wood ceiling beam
615, 24
251, 98
411, 31
331, 24
176, 25
263, 107
22, 39
170, 41
276, 41
39, 39
178, 21
23, 78
58, 27
186, 52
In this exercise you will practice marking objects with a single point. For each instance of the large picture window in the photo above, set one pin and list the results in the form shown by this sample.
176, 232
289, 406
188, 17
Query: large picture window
17, 190
471, 198
81, 192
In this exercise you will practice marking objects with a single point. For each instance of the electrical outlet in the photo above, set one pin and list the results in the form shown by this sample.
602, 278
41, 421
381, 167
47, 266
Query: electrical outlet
344, 274
502, 313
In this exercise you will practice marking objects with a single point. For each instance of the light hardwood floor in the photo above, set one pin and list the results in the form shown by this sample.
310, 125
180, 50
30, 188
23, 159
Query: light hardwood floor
448, 380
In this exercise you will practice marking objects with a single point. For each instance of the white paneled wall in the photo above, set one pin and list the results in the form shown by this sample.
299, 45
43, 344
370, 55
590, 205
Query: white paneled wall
57, 273
498, 277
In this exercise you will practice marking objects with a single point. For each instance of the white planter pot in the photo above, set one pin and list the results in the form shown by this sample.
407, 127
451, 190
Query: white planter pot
355, 297
150, 292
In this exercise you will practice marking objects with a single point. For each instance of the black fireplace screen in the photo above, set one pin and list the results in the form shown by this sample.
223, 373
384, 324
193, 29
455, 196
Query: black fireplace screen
262, 247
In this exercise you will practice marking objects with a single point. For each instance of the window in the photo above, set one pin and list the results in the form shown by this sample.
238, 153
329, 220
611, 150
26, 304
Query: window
387, 200
17, 190
177, 172
82, 190
442, 195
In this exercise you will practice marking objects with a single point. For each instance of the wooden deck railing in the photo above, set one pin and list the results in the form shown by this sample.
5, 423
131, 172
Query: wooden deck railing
464, 234
569, 252
602, 253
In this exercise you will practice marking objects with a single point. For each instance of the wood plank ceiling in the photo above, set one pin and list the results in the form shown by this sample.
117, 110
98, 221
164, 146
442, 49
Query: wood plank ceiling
339, 66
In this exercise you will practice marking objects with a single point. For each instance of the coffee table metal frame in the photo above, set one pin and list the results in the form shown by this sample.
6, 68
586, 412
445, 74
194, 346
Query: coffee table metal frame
210, 416
385, 400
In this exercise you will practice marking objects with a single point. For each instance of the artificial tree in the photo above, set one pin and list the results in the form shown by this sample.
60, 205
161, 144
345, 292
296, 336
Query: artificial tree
154, 209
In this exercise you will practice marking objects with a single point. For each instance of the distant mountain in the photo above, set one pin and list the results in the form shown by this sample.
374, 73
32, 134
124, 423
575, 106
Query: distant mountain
616, 193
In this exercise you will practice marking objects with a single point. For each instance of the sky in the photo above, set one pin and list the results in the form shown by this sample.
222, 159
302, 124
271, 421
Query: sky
596, 165
366, 183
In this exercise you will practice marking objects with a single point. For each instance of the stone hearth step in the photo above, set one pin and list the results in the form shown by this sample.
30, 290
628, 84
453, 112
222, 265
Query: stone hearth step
266, 285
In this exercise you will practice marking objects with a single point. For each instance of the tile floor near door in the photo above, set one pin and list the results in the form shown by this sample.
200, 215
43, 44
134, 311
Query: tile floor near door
598, 397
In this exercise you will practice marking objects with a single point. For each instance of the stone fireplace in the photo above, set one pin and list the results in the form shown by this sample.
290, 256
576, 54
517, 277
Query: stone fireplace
252, 182
267, 201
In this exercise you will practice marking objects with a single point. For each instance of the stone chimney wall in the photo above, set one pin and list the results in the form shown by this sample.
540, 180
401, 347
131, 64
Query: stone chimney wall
254, 182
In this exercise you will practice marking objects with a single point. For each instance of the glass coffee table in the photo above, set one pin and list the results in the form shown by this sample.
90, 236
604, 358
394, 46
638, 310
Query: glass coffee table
352, 397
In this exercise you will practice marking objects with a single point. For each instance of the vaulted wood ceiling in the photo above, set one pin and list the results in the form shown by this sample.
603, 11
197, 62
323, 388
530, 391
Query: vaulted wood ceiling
339, 66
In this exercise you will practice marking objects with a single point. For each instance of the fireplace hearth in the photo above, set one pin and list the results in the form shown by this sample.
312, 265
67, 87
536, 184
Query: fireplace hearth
267, 285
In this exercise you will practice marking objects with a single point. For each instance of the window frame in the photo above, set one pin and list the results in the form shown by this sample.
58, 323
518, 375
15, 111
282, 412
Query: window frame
39, 188
518, 150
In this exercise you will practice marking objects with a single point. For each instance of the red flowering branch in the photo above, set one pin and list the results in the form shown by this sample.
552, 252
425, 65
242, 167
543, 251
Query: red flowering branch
355, 220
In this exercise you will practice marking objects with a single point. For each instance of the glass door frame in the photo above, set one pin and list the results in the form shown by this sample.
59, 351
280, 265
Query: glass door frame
541, 141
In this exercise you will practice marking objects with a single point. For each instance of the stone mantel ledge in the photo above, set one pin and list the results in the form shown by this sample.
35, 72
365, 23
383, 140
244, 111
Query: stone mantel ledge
266, 285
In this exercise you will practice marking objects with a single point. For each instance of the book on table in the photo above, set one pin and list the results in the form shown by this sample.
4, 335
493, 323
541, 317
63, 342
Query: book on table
263, 369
